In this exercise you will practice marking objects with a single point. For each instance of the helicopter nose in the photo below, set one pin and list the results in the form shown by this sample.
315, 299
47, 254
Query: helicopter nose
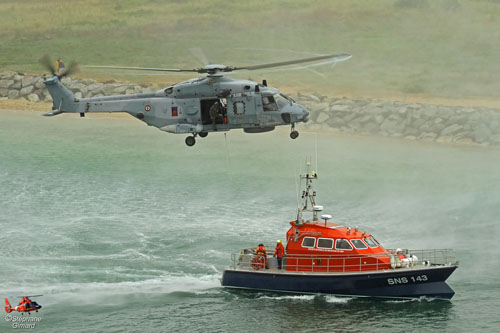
304, 113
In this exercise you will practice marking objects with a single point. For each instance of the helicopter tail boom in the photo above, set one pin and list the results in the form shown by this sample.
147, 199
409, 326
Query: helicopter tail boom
8, 308
63, 99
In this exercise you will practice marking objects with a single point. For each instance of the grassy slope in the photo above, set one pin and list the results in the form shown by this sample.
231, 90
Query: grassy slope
448, 48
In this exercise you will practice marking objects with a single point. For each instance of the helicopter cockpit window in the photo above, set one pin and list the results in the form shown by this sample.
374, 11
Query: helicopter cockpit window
288, 98
169, 90
281, 101
268, 103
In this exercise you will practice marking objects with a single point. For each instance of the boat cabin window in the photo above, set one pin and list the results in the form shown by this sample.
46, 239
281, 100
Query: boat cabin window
358, 244
268, 103
308, 242
370, 242
343, 244
325, 243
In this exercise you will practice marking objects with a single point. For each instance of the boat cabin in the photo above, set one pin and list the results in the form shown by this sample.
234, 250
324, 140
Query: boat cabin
329, 247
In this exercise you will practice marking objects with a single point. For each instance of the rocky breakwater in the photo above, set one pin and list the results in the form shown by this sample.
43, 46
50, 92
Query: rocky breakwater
19, 86
445, 124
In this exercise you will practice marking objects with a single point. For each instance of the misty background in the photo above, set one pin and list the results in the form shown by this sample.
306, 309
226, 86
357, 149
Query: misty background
400, 48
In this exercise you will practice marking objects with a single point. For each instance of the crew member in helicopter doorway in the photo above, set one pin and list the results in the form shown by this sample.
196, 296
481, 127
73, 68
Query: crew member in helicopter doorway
214, 113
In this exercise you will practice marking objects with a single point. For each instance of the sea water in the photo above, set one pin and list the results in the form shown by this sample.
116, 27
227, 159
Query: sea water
122, 227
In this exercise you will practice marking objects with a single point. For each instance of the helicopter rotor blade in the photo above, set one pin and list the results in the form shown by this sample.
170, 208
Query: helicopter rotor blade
342, 56
46, 62
71, 69
200, 55
28, 296
213, 68
145, 68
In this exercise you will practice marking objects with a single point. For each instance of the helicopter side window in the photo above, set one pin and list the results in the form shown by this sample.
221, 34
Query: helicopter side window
268, 103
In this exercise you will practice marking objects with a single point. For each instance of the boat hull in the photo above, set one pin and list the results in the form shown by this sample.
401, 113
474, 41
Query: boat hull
399, 283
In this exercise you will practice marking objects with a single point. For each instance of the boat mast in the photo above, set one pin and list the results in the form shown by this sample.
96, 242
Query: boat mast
308, 195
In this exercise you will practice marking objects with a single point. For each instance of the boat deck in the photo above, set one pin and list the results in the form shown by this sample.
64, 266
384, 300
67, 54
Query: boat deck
345, 264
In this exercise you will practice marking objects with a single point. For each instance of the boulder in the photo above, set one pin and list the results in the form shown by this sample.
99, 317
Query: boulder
27, 81
322, 117
7, 75
16, 85
95, 86
336, 122
4, 92
428, 136
26, 91
445, 139
371, 128
482, 133
379, 119
39, 84
6, 83
13, 94
33, 98
340, 107
392, 126
120, 90
452, 129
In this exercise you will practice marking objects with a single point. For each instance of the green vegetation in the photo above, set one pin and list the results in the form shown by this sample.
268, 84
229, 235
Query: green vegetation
439, 48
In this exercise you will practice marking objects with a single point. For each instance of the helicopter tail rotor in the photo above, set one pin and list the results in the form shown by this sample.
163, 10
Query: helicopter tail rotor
8, 308
46, 62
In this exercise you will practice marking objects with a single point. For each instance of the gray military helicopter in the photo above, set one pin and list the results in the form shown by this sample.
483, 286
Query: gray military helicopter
197, 106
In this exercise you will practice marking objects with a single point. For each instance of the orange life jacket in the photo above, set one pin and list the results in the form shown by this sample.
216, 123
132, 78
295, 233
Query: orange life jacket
261, 250
279, 251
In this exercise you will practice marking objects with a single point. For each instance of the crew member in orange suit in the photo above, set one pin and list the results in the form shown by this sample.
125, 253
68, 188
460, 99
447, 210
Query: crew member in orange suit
261, 251
279, 252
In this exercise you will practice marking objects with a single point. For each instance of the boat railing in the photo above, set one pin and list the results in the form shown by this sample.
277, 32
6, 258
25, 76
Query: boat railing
246, 259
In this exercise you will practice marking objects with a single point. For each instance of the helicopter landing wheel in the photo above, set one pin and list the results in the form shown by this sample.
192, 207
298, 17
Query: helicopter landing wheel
190, 141
203, 134
294, 134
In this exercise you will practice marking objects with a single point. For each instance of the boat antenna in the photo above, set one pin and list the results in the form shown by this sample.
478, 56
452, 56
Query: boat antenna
316, 150
308, 194
297, 190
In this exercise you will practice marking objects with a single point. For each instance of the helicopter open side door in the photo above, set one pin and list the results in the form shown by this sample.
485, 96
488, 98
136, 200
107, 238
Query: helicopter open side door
243, 109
